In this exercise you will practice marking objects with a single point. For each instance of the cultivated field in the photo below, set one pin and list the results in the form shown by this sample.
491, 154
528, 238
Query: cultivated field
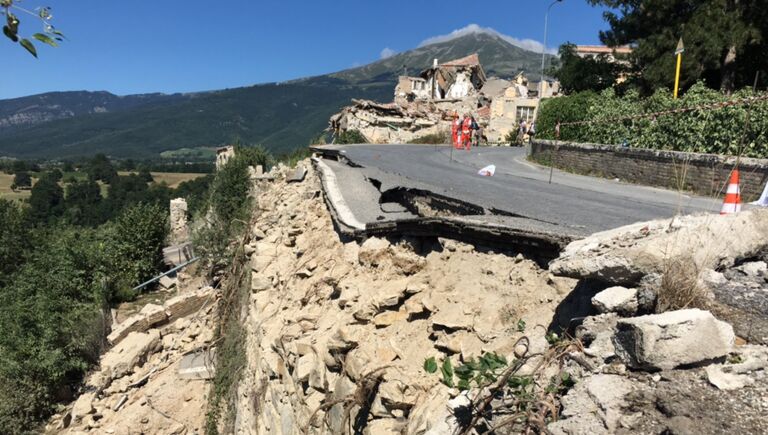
172, 179
5, 188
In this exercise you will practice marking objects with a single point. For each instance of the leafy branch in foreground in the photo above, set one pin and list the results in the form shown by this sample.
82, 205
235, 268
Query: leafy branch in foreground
502, 394
49, 35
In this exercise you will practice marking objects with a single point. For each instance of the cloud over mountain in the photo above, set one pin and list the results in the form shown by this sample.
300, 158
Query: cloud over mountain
528, 44
387, 52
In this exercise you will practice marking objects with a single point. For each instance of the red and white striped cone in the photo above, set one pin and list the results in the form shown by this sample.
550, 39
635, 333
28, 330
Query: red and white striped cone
732, 202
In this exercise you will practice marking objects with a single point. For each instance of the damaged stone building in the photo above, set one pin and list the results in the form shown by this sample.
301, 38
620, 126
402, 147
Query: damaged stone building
424, 105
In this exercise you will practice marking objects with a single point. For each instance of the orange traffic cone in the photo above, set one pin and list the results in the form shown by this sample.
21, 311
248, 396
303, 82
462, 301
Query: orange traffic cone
732, 203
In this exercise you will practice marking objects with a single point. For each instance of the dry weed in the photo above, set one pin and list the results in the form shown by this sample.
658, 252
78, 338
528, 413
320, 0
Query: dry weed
680, 286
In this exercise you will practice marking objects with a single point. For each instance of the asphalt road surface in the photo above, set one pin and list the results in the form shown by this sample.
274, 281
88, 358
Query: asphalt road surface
578, 204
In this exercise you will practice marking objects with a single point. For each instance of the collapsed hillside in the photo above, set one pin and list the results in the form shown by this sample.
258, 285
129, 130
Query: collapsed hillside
426, 335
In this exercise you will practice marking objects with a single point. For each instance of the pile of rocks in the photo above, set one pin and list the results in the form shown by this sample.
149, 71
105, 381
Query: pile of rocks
338, 331
136, 385
645, 370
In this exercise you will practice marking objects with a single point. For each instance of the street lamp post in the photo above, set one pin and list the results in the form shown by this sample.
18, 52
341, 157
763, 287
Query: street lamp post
544, 48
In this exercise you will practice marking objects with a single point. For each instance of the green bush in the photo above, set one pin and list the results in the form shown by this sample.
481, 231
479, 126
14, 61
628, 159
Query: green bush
53, 326
350, 137
254, 156
718, 131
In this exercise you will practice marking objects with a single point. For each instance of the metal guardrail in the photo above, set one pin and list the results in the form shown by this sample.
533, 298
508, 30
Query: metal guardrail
144, 284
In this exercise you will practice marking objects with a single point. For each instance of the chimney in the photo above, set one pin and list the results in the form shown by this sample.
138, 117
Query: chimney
434, 64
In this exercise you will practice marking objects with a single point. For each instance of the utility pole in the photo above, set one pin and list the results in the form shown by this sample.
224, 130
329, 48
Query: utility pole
679, 53
544, 48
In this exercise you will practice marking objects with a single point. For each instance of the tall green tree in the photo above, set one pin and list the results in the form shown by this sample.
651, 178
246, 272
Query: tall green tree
21, 180
47, 200
99, 168
83, 203
577, 73
725, 40
14, 239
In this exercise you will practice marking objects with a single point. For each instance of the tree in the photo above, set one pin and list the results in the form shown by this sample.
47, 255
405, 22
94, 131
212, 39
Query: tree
21, 180
725, 40
47, 200
49, 35
14, 239
145, 175
83, 203
577, 73
135, 246
99, 168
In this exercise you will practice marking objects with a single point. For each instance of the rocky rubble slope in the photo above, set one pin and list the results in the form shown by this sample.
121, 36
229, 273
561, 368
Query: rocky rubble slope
651, 363
137, 387
338, 332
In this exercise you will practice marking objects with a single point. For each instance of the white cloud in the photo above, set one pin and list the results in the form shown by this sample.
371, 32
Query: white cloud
387, 52
528, 44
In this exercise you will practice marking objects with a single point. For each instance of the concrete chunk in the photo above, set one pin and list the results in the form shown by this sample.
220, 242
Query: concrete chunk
672, 339
624, 255
617, 299
149, 316
198, 365
130, 352
298, 175
188, 303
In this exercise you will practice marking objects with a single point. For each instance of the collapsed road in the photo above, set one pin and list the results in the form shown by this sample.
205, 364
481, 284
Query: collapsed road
426, 189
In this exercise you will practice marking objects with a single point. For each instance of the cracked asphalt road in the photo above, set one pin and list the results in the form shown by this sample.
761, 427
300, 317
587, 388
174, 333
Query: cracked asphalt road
579, 205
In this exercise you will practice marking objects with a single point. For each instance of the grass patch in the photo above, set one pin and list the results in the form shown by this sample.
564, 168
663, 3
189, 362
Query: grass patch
172, 179
431, 139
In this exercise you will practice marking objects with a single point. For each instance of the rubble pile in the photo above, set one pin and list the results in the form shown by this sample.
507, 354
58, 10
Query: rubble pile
338, 332
394, 123
647, 367
137, 387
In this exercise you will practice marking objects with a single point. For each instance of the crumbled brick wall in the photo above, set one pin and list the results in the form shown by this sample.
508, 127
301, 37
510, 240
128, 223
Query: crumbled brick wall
703, 174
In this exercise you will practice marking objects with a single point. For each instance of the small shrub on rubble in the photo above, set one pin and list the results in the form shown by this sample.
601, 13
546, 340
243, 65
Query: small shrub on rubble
350, 137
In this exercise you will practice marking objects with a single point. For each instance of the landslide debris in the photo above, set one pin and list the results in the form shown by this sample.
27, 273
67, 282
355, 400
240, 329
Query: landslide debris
137, 388
678, 345
338, 331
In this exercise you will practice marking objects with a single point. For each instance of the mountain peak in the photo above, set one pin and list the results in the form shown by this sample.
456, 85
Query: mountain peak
477, 30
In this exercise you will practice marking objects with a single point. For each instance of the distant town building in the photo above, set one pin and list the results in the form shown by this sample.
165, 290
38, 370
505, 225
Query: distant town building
451, 80
612, 54
425, 105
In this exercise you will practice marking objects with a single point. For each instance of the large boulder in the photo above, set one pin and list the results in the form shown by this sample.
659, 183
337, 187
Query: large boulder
624, 255
672, 339
149, 316
188, 303
132, 351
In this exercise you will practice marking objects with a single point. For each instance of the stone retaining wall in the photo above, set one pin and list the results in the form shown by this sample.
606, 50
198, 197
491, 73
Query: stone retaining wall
703, 174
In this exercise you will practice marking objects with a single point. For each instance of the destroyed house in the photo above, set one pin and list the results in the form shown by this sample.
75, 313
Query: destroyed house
451, 80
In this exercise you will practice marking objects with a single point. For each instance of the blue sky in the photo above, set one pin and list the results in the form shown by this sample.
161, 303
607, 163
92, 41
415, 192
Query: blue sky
138, 46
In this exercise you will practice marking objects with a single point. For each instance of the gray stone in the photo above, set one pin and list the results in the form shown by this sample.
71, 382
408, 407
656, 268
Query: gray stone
672, 339
597, 333
198, 365
617, 299
718, 376
298, 175
754, 268
593, 406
